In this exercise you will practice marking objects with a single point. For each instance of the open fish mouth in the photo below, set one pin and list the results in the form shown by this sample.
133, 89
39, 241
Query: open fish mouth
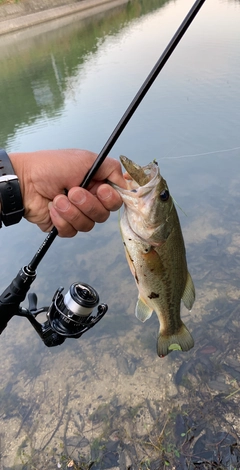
140, 181
140, 176
141, 194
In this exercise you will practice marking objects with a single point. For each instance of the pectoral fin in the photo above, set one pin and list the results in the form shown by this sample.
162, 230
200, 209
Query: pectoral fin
142, 311
189, 293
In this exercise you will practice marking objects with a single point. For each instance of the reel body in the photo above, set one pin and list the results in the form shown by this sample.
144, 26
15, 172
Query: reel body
68, 316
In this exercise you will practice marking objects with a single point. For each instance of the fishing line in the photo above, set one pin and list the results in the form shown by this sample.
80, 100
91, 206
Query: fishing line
200, 154
192, 156
174, 201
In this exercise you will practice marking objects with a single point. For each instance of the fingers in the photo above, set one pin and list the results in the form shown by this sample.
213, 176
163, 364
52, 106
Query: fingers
110, 198
64, 228
111, 170
80, 210
88, 205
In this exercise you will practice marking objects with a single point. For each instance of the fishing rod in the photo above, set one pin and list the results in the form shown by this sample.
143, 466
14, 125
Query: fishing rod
70, 316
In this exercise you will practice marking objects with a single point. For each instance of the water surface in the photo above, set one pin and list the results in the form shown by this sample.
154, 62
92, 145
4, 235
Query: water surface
107, 398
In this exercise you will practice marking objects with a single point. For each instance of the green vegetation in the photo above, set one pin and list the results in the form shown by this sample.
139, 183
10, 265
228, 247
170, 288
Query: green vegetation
9, 1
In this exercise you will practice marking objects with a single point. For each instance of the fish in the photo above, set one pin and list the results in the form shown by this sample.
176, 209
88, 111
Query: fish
156, 254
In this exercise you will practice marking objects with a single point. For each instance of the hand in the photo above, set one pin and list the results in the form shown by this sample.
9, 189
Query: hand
44, 175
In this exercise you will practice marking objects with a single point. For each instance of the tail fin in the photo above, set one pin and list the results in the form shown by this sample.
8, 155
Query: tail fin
182, 340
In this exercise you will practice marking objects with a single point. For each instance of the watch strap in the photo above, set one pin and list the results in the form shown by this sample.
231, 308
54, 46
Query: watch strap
12, 209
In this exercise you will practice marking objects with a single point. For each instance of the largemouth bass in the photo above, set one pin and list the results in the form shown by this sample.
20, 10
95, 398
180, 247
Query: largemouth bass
156, 254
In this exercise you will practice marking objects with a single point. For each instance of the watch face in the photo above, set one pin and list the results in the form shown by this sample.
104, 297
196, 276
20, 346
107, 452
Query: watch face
6, 178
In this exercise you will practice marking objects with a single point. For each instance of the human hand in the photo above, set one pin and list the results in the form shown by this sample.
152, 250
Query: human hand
44, 175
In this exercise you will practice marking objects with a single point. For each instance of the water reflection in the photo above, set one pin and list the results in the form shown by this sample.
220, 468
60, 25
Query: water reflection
107, 398
33, 84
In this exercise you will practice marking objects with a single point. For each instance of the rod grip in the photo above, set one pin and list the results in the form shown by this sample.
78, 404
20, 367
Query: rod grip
13, 295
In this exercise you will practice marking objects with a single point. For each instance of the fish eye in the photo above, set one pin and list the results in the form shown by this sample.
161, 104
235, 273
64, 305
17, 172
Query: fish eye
133, 190
164, 195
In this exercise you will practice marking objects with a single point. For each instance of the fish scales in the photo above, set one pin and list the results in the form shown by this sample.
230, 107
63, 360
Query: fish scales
156, 254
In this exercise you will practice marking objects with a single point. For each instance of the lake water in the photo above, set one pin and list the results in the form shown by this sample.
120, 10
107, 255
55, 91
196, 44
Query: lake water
107, 400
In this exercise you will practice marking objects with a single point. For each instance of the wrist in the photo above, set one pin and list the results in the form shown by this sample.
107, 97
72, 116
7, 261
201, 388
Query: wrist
11, 202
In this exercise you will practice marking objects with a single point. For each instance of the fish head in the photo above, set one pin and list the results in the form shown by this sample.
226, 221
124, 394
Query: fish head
147, 201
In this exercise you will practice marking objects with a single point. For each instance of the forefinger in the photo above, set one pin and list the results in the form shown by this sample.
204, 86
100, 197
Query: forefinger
111, 170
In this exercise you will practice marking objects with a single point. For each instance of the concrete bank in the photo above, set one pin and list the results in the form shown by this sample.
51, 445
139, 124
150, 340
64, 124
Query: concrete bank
20, 19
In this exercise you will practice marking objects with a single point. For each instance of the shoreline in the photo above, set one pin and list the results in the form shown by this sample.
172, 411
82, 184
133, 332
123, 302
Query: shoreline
57, 16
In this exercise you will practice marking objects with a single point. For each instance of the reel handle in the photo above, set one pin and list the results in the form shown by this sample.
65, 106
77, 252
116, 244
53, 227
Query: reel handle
32, 302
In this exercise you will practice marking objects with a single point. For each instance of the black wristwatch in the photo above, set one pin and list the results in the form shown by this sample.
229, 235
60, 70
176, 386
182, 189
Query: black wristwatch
12, 209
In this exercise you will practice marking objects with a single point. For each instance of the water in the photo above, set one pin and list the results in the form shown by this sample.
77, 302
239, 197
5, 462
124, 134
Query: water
107, 398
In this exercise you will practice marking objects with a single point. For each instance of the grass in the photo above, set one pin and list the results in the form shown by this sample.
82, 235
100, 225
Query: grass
2, 2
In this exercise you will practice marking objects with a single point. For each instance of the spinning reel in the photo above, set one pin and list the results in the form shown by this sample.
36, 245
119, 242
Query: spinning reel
68, 316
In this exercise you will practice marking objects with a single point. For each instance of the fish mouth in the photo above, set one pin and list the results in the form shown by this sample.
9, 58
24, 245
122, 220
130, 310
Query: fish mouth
140, 199
141, 175
141, 182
